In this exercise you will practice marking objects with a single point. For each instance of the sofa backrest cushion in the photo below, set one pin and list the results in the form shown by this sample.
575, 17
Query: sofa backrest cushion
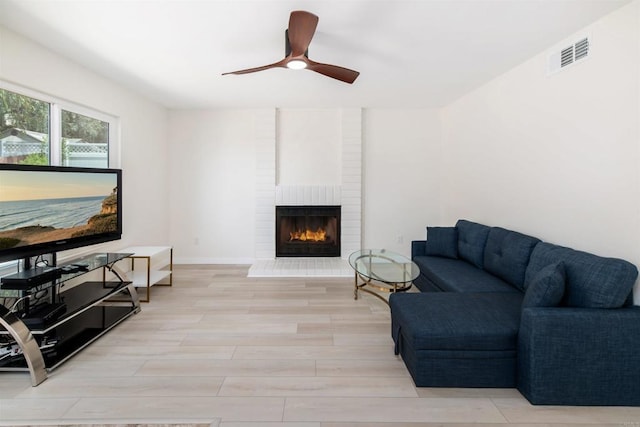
547, 288
442, 241
591, 281
507, 253
472, 238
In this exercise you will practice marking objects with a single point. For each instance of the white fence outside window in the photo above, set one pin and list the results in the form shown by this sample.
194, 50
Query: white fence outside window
77, 153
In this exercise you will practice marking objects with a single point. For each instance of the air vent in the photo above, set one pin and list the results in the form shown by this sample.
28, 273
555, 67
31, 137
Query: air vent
566, 56
569, 55
582, 48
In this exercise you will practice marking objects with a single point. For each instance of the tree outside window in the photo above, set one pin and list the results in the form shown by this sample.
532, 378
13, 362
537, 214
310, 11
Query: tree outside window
25, 134
24, 129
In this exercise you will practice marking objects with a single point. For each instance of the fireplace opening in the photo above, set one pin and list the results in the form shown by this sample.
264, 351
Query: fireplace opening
308, 231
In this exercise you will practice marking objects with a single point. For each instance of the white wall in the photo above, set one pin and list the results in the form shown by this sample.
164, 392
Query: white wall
144, 144
555, 156
402, 176
212, 188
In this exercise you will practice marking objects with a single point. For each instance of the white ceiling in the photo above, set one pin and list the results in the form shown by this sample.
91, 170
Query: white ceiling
409, 53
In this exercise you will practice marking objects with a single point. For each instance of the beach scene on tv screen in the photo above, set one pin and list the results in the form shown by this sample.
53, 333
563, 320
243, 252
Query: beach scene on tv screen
41, 207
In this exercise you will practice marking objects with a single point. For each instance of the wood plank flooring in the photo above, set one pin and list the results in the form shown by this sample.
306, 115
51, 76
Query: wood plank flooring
225, 350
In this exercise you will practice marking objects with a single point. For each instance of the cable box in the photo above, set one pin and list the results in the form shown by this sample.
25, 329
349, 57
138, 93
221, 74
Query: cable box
27, 279
40, 316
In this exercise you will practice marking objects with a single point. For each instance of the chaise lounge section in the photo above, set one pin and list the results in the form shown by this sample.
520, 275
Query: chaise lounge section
498, 308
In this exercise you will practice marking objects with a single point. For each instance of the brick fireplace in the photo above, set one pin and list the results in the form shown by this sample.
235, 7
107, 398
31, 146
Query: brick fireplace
347, 195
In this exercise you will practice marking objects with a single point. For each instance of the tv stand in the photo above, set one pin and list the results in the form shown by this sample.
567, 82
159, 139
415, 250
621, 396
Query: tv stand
40, 338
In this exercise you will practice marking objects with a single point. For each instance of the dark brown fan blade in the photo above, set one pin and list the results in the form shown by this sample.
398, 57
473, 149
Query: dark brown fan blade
280, 63
302, 26
340, 73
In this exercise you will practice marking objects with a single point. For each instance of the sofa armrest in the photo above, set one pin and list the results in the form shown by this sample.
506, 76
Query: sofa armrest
580, 356
418, 248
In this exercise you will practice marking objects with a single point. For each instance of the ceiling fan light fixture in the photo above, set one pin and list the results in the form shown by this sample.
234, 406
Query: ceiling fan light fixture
296, 64
302, 26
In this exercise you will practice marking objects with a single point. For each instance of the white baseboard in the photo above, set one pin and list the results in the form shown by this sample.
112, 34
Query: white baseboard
205, 260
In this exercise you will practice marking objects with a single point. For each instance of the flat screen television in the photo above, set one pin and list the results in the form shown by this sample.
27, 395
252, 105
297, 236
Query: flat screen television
47, 209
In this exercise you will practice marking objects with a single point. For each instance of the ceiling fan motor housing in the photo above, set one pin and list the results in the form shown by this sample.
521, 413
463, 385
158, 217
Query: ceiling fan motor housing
287, 45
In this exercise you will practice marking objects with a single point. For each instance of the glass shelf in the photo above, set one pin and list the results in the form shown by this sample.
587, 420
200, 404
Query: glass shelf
90, 262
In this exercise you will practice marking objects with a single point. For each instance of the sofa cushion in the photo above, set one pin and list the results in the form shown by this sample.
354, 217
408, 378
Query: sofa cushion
507, 253
454, 275
453, 321
472, 238
591, 281
442, 241
547, 288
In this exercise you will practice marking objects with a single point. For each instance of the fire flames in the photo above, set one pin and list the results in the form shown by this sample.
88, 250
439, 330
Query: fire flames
319, 235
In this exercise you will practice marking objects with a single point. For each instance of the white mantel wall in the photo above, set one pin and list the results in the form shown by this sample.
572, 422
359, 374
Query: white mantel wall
308, 146
309, 157
328, 145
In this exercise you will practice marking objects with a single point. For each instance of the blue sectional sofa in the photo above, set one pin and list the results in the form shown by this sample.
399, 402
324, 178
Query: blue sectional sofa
498, 308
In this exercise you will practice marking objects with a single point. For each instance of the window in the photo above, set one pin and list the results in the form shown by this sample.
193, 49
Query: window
24, 129
85, 141
42, 131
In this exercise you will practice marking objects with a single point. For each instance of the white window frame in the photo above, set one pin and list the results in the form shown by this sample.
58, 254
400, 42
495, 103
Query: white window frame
55, 122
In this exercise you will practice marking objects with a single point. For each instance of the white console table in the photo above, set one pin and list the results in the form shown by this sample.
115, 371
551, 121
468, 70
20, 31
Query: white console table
159, 267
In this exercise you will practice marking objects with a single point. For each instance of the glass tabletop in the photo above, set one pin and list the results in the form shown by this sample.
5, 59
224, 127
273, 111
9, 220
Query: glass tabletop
384, 266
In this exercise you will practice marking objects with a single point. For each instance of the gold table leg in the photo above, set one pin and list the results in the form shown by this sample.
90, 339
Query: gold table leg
389, 288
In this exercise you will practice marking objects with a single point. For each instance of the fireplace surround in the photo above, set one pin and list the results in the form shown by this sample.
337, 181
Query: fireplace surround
308, 231
271, 191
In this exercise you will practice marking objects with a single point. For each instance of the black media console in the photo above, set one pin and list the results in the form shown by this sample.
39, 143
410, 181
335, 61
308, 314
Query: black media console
54, 318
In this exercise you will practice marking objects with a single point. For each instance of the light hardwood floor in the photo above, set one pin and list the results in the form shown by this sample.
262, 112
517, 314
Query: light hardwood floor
223, 349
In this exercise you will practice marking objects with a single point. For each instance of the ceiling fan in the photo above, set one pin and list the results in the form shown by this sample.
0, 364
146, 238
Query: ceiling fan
302, 26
